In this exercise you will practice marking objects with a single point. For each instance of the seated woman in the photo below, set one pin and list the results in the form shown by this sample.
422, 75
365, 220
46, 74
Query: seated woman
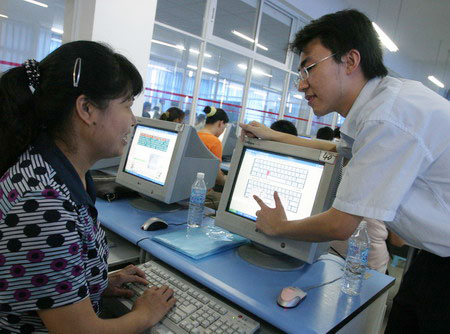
63, 114
216, 119
173, 114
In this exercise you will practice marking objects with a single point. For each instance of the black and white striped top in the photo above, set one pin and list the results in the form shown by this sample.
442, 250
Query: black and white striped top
52, 249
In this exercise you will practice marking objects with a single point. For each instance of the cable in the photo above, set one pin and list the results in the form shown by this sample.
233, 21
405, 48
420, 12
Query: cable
172, 224
337, 253
318, 286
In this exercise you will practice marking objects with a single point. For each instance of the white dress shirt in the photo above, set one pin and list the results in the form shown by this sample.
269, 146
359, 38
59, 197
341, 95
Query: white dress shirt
397, 134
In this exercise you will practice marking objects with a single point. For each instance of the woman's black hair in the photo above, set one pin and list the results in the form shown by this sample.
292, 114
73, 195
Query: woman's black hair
172, 114
104, 76
213, 117
342, 31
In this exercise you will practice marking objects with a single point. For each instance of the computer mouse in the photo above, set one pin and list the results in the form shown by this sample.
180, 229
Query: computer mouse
290, 297
154, 224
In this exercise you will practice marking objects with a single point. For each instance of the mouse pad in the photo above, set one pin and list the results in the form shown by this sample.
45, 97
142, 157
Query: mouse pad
200, 242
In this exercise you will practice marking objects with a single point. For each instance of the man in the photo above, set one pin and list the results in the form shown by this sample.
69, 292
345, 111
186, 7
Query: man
396, 133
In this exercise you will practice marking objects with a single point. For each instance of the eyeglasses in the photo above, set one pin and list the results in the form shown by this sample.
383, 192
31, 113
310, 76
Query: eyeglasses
303, 74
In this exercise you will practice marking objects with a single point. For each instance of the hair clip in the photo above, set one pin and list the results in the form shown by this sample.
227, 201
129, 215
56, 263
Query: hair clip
212, 112
76, 72
32, 70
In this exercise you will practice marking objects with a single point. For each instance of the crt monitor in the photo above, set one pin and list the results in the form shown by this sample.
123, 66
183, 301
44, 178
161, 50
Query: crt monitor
161, 163
303, 178
229, 140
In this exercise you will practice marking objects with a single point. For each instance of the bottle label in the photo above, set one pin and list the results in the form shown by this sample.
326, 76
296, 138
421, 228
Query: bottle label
365, 256
198, 196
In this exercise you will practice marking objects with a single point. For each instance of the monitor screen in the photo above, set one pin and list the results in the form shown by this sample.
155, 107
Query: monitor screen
150, 152
304, 179
262, 173
161, 162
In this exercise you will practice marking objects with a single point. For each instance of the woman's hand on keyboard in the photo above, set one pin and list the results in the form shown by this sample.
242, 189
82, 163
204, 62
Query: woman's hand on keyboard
154, 303
129, 274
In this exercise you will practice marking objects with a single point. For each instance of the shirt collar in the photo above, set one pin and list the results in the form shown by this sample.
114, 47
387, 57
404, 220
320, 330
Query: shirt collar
349, 127
45, 146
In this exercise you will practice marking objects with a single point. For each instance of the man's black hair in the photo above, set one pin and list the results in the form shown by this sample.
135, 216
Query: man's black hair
342, 31
325, 133
284, 126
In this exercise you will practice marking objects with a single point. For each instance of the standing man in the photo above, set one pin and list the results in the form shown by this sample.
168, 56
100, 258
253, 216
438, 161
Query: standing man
397, 136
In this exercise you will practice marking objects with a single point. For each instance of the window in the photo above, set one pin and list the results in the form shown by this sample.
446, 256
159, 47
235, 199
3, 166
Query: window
265, 92
320, 122
297, 109
222, 83
27, 33
171, 72
242, 32
186, 15
274, 34
235, 21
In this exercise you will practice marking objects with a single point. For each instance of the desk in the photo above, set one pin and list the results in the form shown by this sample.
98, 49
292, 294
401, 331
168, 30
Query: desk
325, 309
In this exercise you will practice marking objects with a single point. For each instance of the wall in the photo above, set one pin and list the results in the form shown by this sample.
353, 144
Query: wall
125, 26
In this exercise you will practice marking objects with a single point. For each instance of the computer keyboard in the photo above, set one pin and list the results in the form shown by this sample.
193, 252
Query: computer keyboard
196, 311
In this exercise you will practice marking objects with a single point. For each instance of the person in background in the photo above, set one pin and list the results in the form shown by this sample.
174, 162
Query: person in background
63, 114
216, 120
285, 126
156, 112
325, 133
337, 133
173, 114
146, 109
160, 106
396, 138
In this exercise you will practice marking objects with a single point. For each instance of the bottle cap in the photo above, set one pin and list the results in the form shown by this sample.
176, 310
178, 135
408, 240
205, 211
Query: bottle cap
200, 175
363, 223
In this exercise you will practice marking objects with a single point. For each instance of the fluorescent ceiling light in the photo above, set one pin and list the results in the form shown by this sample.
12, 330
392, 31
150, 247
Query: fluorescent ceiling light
207, 55
204, 69
298, 96
178, 46
241, 35
255, 70
56, 40
387, 42
37, 3
1, 15
162, 68
435, 81
58, 31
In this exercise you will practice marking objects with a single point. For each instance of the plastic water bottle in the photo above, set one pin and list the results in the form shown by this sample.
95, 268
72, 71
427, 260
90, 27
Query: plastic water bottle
197, 202
356, 261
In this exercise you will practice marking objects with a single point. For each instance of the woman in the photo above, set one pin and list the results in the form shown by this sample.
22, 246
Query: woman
173, 114
216, 120
63, 114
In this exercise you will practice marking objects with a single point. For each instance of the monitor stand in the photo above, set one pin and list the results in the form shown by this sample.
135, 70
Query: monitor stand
149, 204
267, 258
